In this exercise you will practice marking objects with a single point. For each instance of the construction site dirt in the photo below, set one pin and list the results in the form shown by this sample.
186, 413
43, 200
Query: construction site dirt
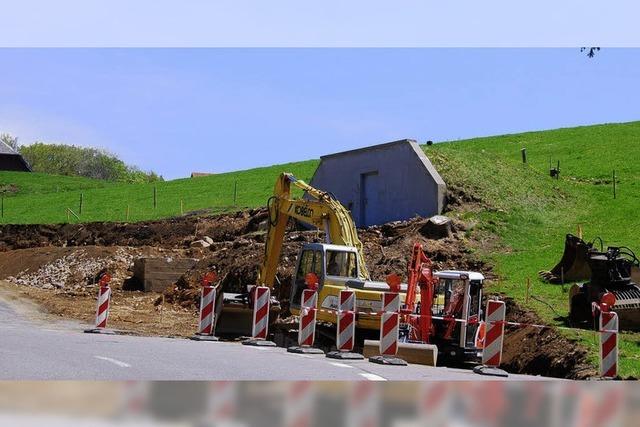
57, 266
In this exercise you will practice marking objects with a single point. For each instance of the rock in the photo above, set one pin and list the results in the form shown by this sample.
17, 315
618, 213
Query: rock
208, 239
437, 227
200, 244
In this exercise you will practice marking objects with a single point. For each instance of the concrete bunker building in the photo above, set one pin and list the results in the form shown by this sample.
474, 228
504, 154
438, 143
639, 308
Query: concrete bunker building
383, 183
11, 160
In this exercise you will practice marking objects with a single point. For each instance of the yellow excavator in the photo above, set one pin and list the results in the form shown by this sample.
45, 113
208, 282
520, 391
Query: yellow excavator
340, 263
337, 263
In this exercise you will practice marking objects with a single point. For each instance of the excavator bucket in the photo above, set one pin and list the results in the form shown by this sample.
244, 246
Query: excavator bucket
574, 265
417, 353
234, 315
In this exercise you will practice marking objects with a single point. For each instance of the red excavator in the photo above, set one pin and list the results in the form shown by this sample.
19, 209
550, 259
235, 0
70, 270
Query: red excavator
449, 309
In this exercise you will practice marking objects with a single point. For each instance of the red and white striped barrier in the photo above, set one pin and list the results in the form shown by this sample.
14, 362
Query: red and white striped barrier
102, 309
346, 327
389, 324
346, 321
308, 312
102, 306
206, 324
608, 344
207, 302
494, 337
390, 302
261, 312
260, 327
389, 331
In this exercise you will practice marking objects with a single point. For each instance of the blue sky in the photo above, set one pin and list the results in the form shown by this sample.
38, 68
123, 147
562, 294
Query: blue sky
286, 23
182, 110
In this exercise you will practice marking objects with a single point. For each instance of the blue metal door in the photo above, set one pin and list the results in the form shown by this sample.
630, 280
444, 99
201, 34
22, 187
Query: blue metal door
369, 198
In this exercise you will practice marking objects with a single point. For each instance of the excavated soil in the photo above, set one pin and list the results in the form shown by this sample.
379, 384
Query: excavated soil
30, 259
529, 350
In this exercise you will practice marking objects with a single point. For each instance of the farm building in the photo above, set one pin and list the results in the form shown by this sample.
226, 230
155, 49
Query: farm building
383, 183
10, 160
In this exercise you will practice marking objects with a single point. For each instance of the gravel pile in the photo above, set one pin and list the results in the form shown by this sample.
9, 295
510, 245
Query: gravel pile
76, 270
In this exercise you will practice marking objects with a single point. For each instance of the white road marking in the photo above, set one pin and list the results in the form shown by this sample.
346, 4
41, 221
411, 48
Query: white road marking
340, 365
372, 377
306, 356
114, 361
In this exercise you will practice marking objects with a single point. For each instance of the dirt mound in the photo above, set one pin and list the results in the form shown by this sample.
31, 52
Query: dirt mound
169, 233
541, 351
387, 250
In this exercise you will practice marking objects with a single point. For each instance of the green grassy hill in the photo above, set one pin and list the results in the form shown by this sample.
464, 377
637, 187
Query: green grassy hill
45, 198
530, 212
521, 222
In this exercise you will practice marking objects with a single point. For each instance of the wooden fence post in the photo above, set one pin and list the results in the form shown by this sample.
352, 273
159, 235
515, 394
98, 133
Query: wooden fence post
614, 183
81, 201
235, 193
155, 197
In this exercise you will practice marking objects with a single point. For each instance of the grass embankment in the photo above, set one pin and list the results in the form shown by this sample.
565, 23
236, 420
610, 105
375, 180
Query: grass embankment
45, 199
531, 212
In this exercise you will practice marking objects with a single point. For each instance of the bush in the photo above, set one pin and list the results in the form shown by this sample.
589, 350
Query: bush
71, 160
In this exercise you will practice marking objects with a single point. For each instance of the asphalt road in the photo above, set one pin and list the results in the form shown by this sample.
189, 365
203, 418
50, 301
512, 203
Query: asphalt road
35, 350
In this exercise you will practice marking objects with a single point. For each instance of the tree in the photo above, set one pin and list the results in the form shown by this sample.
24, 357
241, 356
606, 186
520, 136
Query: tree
71, 160
591, 51
10, 140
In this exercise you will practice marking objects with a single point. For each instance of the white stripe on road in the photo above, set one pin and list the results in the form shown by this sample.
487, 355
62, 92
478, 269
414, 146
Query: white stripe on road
306, 356
372, 377
340, 365
114, 361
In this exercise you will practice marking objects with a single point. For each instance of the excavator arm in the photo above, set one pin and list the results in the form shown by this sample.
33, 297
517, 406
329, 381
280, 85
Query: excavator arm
323, 212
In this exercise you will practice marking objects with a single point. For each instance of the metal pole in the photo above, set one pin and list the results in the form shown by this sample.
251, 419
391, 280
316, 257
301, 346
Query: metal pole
614, 183
81, 200
155, 197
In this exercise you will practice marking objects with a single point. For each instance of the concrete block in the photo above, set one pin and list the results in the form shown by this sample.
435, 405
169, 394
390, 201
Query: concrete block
157, 274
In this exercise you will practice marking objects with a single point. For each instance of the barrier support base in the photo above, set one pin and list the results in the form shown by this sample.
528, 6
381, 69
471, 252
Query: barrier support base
304, 350
99, 331
387, 360
344, 355
199, 337
257, 342
490, 371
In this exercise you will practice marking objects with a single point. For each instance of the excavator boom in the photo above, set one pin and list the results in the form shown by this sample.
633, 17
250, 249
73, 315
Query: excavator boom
323, 212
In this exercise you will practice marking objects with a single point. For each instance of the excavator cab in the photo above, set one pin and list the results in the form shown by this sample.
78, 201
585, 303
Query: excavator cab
457, 299
339, 263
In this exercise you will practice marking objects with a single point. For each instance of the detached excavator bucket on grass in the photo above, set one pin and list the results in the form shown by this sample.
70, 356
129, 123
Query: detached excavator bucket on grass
574, 265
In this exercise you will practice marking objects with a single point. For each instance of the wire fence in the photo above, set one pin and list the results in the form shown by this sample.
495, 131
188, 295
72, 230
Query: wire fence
109, 205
